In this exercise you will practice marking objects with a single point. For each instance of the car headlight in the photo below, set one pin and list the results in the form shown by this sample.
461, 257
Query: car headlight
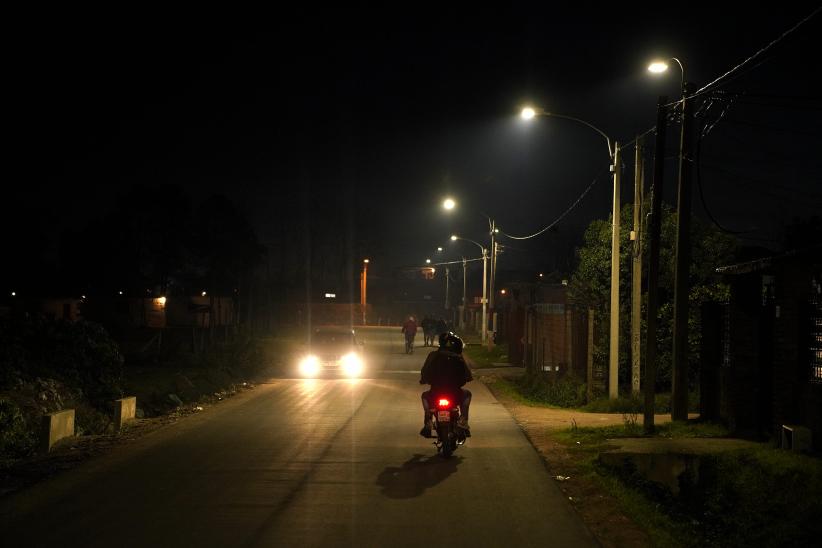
309, 366
352, 364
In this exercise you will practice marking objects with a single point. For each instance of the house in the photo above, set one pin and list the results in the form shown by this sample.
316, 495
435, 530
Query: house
762, 363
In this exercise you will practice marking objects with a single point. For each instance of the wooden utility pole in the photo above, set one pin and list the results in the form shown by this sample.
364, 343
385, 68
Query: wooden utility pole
636, 273
679, 377
654, 226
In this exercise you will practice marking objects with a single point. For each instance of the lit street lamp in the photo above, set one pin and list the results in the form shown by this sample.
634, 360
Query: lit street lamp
528, 113
454, 238
363, 288
492, 231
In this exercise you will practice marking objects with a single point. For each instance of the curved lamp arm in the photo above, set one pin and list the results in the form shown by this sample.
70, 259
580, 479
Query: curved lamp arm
455, 238
579, 121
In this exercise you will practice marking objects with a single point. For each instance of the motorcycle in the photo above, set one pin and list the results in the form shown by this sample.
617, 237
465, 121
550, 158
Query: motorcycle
445, 412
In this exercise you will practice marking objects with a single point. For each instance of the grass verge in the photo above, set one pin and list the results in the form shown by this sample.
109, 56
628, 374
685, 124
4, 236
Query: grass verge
763, 497
480, 356
568, 392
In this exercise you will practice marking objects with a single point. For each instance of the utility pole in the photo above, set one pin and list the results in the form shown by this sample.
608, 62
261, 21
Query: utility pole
363, 288
447, 279
679, 388
493, 267
464, 287
613, 365
636, 273
654, 225
484, 295
493, 272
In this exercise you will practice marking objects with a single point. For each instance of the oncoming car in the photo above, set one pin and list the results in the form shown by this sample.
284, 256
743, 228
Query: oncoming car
332, 351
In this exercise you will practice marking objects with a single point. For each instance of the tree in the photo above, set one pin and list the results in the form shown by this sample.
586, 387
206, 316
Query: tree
590, 285
224, 244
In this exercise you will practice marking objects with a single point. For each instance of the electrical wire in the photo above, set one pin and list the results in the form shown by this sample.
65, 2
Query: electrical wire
452, 262
702, 194
558, 219
730, 75
638, 137
766, 127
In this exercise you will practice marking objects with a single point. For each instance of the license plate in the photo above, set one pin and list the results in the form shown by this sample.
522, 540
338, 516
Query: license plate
444, 416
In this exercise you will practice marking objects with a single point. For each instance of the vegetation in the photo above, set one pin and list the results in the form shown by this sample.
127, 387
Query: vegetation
590, 286
177, 248
51, 365
764, 497
537, 389
563, 392
479, 355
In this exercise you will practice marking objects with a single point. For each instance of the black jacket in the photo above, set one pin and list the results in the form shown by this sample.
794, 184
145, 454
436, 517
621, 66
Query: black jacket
445, 370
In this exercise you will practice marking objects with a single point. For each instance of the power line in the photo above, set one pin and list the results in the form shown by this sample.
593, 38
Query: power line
558, 219
719, 225
725, 78
452, 262
735, 73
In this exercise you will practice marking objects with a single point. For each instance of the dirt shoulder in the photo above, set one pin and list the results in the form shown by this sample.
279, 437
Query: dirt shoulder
598, 509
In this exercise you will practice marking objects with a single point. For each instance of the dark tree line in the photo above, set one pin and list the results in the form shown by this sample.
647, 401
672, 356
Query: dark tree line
157, 238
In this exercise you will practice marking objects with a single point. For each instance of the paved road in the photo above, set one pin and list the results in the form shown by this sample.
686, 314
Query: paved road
308, 463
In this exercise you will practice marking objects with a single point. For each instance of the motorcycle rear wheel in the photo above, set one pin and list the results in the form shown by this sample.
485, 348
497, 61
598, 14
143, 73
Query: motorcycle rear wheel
447, 445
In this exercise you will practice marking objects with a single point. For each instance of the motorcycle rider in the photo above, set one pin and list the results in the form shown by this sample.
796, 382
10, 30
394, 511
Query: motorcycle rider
446, 371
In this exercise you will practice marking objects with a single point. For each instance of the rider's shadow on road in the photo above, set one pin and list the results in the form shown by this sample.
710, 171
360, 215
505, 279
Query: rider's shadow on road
416, 475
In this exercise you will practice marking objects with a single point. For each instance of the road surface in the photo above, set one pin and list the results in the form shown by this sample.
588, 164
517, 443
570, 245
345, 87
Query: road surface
297, 462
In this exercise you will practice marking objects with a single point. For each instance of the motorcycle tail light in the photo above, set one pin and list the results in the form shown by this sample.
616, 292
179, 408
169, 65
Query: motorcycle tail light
444, 403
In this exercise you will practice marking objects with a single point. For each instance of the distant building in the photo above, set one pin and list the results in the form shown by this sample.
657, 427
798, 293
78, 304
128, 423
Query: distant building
67, 308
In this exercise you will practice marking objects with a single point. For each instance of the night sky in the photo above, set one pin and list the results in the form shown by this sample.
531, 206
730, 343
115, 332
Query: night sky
357, 123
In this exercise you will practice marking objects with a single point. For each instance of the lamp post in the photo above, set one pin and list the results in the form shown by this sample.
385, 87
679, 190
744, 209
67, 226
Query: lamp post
449, 204
363, 288
679, 377
528, 113
484, 284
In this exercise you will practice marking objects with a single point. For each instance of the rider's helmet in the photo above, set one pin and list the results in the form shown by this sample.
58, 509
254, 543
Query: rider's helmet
451, 342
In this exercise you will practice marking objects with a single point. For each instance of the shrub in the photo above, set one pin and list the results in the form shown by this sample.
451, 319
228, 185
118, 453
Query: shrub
564, 392
80, 354
16, 439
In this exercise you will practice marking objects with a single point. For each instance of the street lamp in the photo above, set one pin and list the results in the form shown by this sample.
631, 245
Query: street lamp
529, 113
493, 230
363, 288
679, 384
454, 238
658, 67
449, 204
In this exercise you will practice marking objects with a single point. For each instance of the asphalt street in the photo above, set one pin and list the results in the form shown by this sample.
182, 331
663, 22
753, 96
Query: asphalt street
296, 462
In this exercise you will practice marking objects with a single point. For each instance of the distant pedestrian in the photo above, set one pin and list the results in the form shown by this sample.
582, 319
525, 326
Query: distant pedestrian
409, 329
429, 330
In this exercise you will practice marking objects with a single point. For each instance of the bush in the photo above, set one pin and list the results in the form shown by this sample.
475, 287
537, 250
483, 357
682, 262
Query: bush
16, 438
564, 392
763, 498
80, 354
